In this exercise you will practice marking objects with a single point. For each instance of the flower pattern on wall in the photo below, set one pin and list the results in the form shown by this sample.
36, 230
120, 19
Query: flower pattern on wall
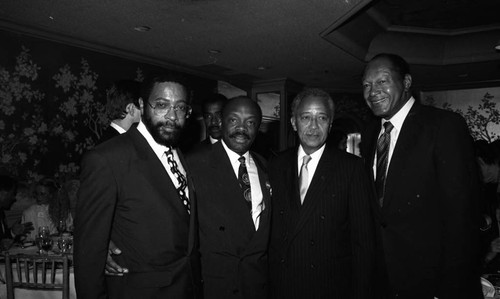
69, 118
23, 130
480, 118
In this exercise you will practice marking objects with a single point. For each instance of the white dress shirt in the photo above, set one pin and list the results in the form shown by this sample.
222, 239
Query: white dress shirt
117, 128
160, 153
213, 140
253, 175
397, 121
313, 163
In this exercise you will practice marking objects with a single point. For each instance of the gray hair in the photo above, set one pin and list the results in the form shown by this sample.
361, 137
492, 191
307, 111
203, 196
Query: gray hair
313, 92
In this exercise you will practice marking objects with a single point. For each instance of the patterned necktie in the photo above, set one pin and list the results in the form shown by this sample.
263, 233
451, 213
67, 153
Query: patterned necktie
304, 177
244, 181
382, 159
181, 179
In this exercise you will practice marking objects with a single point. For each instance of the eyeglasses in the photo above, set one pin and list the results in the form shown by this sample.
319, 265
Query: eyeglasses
162, 108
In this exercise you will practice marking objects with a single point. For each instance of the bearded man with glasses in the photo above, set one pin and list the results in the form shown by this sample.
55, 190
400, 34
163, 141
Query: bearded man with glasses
136, 192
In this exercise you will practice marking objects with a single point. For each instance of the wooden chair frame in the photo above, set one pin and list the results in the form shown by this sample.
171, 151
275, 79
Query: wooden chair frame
46, 265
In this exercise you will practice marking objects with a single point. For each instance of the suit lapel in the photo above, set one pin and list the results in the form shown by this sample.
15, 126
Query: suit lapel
154, 172
316, 188
231, 197
406, 141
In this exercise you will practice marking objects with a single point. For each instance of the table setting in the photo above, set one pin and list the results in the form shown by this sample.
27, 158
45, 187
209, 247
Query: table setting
44, 244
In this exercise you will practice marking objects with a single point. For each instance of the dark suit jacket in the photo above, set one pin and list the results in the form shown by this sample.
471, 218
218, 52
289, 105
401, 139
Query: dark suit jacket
233, 254
428, 223
107, 134
322, 248
127, 196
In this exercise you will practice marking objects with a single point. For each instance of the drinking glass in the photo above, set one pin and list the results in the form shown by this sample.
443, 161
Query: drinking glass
65, 243
43, 240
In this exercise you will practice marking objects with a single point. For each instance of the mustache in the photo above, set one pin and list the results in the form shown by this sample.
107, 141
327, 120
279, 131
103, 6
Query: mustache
168, 124
239, 134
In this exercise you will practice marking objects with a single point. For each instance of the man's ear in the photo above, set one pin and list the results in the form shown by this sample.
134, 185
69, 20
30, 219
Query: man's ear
131, 109
292, 121
407, 82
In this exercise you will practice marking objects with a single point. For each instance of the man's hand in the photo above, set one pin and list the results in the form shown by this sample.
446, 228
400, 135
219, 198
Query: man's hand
112, 268
22, 229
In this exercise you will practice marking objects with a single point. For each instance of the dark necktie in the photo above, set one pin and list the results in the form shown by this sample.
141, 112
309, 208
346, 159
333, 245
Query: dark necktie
304, 178
382, 159
244, 181
181, 179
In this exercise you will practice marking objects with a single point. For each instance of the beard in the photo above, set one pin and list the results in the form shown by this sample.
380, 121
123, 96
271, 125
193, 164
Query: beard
159, 132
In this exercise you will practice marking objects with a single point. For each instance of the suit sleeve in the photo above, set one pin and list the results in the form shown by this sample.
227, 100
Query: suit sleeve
362, 232
459, 184
94, 213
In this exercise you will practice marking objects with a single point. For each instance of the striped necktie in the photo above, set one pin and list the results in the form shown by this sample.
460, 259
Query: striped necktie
382, 160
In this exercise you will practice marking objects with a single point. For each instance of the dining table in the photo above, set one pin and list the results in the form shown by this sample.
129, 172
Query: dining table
35, 294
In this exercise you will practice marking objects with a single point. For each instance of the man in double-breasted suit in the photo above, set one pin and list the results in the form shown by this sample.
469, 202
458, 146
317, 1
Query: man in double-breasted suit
136, 192
233, 207
426, 183
321, 233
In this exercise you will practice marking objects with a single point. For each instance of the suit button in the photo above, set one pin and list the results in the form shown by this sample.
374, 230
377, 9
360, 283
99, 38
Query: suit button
222, 228
312, 266
322, 217
282, 212
312, 242
282, 260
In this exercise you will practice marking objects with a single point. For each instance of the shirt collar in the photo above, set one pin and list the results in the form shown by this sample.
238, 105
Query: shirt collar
157, 148
232, 155
314, 156
398, 119
213, 140
117, 127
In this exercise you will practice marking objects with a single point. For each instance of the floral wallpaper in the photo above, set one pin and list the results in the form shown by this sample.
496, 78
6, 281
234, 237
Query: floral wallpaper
51, 113
477, 106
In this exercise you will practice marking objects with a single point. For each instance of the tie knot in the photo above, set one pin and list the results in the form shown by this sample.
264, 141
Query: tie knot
306, 159
388, 126
242, 160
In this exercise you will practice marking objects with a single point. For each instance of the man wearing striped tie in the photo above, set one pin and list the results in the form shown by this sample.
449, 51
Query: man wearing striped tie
321, 228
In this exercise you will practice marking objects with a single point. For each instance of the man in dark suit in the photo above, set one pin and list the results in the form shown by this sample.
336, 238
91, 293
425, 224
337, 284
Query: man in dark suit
426, 181
134, 190
122, 107
322, 232
234, 207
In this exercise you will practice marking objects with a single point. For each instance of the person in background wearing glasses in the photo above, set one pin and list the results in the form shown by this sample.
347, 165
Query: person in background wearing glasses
136, 192
8, 192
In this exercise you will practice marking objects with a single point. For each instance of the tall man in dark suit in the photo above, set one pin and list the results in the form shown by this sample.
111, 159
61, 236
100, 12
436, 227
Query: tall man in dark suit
122, 107
421, 160
321, 233
234, 207
135, 191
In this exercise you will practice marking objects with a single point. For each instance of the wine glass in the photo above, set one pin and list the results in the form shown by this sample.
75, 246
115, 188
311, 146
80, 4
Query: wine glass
43, 240
61, 227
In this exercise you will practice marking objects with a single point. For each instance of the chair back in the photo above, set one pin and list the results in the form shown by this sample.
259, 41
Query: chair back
36, 272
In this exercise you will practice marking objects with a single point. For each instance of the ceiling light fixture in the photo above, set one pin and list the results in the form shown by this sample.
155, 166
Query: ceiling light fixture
142, 28
497, 47
214, 51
